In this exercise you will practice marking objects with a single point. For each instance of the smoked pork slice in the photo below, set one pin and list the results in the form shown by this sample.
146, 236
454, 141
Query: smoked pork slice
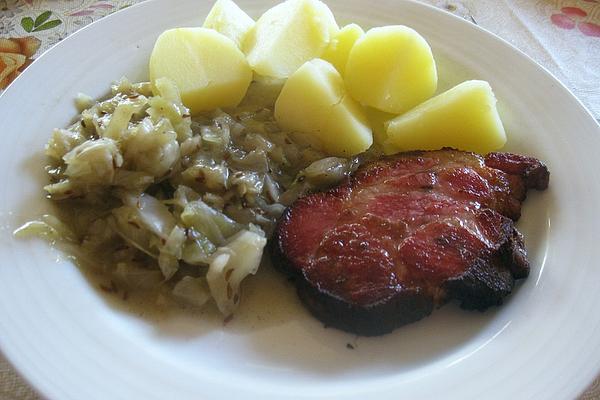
406, 234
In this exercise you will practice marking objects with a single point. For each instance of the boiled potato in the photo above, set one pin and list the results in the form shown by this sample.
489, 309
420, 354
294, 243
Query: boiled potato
288, 35
314, 101
308, 96
391, 69
207, 67
227, 18
346, 131
465, 117
339, 49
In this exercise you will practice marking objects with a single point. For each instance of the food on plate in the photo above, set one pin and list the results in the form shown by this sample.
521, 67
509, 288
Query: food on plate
392, 69
208, 68
314, 101
463, 117
160, 199
227, 18
176, 184
339, 48
408, 233
288, 35
230, 265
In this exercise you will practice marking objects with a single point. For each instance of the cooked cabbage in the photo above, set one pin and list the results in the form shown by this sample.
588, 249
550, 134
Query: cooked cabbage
230, 265
215, 225
206, 175
159, 199
154, 150
172, 252
94, 162
119, 121
198, 248
151, 214
126, 223
63, 141
48, 226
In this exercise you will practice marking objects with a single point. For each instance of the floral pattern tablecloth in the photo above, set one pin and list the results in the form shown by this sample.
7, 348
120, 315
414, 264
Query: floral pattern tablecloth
562, 35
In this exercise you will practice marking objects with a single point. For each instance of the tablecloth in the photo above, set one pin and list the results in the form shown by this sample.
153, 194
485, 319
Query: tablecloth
562, 35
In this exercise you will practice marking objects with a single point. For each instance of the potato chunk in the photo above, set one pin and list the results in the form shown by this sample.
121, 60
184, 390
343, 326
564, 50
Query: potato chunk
314, 101
339, 49
227, 18
391, 69
207, 67
288, 35
465, 117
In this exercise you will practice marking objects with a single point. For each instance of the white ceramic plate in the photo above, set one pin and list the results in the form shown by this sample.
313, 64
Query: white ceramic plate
71, 343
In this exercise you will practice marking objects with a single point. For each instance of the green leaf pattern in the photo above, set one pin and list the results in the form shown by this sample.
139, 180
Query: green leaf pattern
27, 24
48, 25
43, 17
40, 23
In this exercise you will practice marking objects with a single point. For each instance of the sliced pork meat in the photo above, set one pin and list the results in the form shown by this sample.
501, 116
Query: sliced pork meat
406, 234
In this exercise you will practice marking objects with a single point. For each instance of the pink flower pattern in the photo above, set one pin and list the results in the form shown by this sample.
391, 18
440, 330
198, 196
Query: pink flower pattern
96, 8
584, 17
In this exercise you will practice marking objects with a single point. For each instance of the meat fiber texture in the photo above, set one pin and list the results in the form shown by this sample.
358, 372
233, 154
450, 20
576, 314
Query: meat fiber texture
406, 234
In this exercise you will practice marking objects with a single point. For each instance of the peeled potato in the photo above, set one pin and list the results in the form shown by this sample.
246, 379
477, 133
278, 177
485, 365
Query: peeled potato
339, 49
288, 35
207, 67
347, 131
308, 96
227, 18
465, 117
391, 69
314, 101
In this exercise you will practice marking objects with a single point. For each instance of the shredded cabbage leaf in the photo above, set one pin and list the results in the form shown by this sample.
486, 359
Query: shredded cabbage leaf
230, 265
